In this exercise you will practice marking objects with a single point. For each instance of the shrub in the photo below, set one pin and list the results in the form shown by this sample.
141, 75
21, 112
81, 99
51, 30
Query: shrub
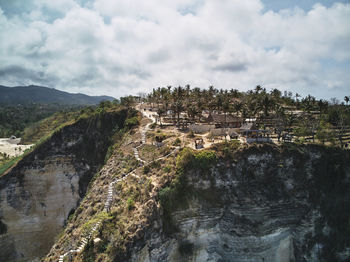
185, 158
130, 203
133, 121
146, 169
167, 169
177, 142
202, 160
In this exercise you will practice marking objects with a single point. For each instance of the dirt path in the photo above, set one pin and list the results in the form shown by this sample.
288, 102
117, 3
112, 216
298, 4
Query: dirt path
143, 131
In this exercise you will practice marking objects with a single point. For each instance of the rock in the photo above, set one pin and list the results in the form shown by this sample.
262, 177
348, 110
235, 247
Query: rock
96, 240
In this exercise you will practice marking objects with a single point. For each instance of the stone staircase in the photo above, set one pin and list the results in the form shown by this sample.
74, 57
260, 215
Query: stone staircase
83, 243
110, 192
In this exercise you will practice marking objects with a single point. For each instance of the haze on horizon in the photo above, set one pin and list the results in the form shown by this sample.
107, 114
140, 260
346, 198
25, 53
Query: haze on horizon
116, 48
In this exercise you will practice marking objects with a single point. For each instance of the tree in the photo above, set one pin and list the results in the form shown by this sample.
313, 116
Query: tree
258, 88
177, 105
324, 132
276, 94
160, 112
346, 98
266, 104
237, 107
308, 103
192, 112
127, 101
322, 106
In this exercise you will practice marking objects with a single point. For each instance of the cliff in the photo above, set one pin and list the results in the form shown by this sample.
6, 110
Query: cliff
46, 186
257, 203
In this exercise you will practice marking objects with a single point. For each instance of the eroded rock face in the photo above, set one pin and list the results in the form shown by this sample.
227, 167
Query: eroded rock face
263, 206
38, 195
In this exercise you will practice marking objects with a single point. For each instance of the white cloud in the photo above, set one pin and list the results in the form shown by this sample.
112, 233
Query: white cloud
121, 47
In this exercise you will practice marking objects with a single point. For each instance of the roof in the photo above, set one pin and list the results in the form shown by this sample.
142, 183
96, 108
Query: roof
247, 126
221, 118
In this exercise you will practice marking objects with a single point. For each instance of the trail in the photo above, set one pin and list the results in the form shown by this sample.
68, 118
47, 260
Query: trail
143, 131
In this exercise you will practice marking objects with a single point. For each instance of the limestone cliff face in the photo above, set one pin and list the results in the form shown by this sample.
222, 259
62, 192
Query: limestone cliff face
42, 190
263, 205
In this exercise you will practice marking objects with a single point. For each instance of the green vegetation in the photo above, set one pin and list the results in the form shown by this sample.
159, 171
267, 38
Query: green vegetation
202, 160
43, 130
175, 194
14, 119
102, 216
285, 115
227, 148
177, 142
6, 164
131, 122
130, 203
45, 127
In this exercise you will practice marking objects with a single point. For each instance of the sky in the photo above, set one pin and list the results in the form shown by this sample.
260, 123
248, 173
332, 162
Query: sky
123, 47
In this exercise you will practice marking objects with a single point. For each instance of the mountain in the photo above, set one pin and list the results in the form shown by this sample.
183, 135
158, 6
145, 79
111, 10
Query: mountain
45, 95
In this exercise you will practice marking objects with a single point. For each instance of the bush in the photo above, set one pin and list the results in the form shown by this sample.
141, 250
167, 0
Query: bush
185, 158
167, 169
146, 169
177, 142
170, 197
130, 203
202, 160
133, 121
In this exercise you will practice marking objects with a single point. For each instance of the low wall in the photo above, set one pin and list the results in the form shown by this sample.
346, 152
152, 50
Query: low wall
260, 139
201, 128
222, 131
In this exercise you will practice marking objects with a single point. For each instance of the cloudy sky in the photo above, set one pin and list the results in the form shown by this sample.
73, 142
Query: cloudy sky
119, 47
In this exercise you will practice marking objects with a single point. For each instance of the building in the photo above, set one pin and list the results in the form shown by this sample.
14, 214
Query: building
222, 120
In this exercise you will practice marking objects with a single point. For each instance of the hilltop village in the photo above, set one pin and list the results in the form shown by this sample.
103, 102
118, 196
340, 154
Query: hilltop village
204, 117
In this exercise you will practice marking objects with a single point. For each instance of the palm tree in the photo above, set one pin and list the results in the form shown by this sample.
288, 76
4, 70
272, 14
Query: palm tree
258, 88
225, 108
237, 107
322, 106
177, 105
346, 98
266, 104
210, 97
276, 94
192, 112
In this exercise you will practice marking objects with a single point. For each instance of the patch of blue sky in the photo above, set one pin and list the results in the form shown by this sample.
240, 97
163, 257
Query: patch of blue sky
335, 64
277, 5
275, 49
191, 9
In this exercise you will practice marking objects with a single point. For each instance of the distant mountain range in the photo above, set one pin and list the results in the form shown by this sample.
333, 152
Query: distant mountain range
39, 94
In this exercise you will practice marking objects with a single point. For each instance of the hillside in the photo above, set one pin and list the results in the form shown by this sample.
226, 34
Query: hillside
229, 203
39, 94
47, 184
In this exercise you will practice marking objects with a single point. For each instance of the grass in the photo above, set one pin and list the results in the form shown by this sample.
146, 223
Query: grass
96, 218
42, 131
9, 163
202, 160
